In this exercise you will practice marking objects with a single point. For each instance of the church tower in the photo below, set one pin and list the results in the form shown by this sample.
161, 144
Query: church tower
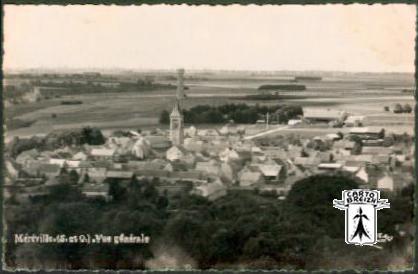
176, 117
176, 125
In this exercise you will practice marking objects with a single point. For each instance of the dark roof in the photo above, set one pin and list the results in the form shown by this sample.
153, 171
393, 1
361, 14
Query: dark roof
104, 188
152, 173
49, 168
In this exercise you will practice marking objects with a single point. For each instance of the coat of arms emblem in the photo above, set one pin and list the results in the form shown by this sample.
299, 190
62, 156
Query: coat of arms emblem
361, 206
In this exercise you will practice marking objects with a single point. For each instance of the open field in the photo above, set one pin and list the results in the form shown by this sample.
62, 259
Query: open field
141, 110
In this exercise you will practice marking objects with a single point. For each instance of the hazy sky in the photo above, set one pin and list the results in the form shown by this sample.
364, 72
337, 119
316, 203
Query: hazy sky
324, 37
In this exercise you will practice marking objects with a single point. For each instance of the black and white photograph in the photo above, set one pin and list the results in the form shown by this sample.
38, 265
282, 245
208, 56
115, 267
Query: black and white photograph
223, 137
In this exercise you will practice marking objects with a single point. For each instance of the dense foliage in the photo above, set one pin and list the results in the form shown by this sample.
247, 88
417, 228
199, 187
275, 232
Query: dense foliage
58, 138
239, 113
242, 229
398, 108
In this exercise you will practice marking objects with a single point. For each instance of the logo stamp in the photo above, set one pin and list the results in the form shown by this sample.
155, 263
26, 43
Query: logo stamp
361, 206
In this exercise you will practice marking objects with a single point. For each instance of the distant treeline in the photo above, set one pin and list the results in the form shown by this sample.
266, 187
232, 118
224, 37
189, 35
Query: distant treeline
94, 87
239, 113
282, 87
267, 97
308, 78
71, 102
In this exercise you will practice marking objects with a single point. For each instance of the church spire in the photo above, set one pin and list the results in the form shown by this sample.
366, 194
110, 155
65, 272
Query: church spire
176, 112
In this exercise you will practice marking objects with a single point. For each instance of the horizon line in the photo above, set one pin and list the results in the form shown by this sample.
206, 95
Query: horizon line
122, 69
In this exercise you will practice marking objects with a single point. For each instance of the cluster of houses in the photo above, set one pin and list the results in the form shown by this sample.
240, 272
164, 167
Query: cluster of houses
209, 162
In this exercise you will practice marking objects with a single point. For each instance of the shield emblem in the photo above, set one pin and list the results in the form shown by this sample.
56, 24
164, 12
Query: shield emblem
360, 206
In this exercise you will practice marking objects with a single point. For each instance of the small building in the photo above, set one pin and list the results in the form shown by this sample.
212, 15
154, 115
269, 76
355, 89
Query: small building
141, 148
55, 161
81, 156
330, 166
210, 132
192, 144
228, 155
49, 170
12, 171
318, 115
276, 153
381, 159
351, 169
175, 153
119, 174
228, 129
123, 142
368, 132
385, 183
248, 177
96, 190
191, 131
152, 173
146, 165
102, 153
354, 121
376, 150
210, 167
96, 174
229, 172
307, 161
169, 167
333, 136
271, 172
72, 164
293, 122
374, 143
211, 191
158, 141
323, 156
294, 151
362, 174
187, 176
344, 145
27, 156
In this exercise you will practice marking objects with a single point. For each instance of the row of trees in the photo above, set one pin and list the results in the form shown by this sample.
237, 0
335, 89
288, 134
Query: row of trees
398, 108
56, 139
239, 113
282, 87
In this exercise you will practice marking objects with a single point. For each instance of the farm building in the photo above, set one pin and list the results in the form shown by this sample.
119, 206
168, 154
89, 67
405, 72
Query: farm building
317, 115
248, 177
96, 190
102, 152
354, 121
368, 132
270, 171
40, 93
211, 191
376, 150
330, 166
